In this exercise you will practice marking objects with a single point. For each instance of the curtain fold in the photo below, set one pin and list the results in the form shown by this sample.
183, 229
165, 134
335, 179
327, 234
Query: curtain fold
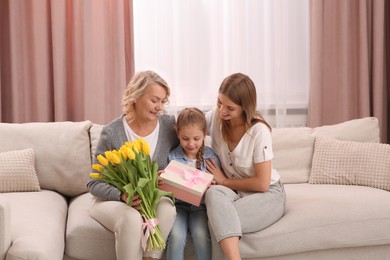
64, 60
348, 61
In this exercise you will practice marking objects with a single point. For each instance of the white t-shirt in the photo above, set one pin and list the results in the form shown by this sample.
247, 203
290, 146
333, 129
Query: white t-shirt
191, 162
254, 147
152, 138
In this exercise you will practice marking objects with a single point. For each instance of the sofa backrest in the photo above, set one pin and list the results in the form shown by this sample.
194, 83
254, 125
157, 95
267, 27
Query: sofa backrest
293, 147
62, 152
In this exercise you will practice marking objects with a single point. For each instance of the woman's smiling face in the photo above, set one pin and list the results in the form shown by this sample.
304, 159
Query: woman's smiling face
151, 103
228, 110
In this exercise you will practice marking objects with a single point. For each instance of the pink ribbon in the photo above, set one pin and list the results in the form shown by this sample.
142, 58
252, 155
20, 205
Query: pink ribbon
192, 176
147, 230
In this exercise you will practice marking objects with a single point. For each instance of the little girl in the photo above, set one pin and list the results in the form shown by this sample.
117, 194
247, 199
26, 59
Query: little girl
191, 130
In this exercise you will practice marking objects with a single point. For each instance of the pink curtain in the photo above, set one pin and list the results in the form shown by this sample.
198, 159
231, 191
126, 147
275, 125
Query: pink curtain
64, 59
348, 62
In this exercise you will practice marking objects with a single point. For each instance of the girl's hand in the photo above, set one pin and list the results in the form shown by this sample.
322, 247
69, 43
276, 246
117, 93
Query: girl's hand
213, 168
135, 203
160, 181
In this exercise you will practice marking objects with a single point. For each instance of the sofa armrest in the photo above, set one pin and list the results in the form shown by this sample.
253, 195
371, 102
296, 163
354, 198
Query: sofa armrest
5, 227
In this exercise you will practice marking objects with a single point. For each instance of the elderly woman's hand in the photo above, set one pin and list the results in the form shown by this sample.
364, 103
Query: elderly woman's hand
135, 203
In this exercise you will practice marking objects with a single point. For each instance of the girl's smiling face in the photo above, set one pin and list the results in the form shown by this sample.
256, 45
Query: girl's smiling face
191, 139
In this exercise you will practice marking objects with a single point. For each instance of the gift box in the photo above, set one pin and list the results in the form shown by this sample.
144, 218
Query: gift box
187, 183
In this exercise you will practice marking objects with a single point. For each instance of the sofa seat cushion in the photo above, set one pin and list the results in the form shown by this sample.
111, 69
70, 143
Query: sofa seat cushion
85, 237
320, 217
38, 221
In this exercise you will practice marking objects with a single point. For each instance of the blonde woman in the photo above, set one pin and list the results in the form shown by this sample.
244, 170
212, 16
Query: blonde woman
143, 100
249, 196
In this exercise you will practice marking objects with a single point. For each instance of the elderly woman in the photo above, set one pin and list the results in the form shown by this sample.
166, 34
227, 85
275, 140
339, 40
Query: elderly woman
143, 100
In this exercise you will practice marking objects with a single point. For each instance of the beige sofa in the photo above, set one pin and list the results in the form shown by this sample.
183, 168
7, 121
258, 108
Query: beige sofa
322, 221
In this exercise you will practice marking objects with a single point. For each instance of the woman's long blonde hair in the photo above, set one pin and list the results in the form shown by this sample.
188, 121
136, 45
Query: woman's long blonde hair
137, 87
240, 89
193, 116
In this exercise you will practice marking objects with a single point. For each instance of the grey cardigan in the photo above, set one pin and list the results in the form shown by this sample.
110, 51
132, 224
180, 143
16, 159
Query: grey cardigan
113, 136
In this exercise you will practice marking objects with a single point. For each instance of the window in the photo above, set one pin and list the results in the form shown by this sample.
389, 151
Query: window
195, 44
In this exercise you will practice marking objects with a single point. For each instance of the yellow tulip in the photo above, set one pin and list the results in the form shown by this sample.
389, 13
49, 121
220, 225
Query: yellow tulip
108, 155
117, 156
95, 175
137, 145
128, 145
122, 152
130, 154
145, 147
112, 157
117, 159
102, 160
97, 167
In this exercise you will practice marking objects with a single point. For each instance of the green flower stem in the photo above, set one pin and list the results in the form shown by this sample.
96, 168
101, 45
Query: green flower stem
115, 175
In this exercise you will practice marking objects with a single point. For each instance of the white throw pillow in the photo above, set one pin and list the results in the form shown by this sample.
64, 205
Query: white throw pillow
350, 163
17, 171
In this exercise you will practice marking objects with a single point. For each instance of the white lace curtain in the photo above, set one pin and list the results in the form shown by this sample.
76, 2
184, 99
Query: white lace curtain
195, 44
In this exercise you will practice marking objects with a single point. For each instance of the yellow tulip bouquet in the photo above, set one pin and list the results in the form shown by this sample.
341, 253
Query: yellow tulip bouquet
131, 170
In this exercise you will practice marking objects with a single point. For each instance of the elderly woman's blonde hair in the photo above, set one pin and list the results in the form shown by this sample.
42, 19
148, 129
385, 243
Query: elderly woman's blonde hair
137, 87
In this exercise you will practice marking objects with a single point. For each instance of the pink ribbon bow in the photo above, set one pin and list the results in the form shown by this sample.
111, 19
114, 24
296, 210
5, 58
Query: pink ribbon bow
147, 229
194, 177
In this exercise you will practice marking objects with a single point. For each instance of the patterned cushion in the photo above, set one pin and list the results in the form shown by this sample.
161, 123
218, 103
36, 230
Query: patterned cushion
351, 163
17, 171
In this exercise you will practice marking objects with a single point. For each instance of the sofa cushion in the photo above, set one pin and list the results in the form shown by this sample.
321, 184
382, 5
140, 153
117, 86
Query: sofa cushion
320, 217
62, 152
85, 237
17, 171
351, 163
293, 147
38, 221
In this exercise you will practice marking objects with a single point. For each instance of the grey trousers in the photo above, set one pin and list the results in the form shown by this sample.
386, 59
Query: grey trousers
232, 215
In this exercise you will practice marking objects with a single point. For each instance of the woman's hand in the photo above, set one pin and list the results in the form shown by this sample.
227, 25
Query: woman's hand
213, 168
135, 203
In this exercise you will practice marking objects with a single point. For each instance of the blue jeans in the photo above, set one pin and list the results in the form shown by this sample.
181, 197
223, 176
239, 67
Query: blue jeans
190, 219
